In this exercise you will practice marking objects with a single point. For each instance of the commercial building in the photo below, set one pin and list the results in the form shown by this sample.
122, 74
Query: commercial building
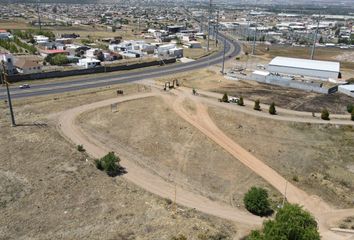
347, 89
323, 70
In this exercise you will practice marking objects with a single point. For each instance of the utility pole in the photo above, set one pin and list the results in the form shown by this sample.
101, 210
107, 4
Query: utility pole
209, 20
39, 17
223, 57
254, 40
4, 80
315, 38
217, 28
286, 188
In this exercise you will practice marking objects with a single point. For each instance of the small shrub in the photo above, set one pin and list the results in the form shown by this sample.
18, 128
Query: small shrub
272, 110
295, 178
256, 201
343, 226
240, 102
257, 105
325, 114
98, 164
350, 108
225, 98
352, 115
109, 164
180, 237
81, 148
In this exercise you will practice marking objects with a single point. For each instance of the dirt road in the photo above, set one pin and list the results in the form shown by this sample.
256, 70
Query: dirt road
143, 177
201, 120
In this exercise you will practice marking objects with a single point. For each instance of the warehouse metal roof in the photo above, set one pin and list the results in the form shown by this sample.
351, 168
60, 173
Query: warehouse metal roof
305, 64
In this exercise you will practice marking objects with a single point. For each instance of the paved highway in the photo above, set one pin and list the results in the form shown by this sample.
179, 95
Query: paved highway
232, 50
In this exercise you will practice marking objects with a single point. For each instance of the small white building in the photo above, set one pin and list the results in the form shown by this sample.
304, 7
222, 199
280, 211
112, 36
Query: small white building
40, 39
89, 62
304, 67
5, 35
194, 44
176, 52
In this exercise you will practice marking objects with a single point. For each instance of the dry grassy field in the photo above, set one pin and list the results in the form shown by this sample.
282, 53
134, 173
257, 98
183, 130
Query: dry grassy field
151, 134
212, 80
318, 158
49, 190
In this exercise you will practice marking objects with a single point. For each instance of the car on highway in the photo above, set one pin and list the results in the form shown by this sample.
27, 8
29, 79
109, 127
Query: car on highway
24, 86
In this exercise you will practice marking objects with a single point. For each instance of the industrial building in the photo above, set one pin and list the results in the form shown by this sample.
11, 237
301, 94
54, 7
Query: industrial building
323, 70
347, 89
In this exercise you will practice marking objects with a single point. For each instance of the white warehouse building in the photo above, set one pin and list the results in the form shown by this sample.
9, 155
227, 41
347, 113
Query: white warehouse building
312, 68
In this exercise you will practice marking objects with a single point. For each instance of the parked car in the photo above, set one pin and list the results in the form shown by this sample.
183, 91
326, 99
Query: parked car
24, 86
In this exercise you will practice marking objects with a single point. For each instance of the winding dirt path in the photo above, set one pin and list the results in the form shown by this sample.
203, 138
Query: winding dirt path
145, 178
324, 213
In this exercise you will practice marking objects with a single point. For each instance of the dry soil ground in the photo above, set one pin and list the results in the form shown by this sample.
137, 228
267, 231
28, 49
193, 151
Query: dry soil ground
50, 191
155, 137
318, 158
211, 80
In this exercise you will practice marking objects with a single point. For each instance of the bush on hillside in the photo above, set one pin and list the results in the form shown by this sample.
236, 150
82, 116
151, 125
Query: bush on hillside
272, 110
240, 102
291, 222
257, 105
325, 114
256, 201
109, 164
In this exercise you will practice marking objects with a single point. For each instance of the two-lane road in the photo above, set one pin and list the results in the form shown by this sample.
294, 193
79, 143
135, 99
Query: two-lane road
232, 50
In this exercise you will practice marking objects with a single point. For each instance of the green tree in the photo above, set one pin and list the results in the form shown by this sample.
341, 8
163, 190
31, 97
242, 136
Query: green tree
109, 164
256, 201
240, 102
290, 223
325, 114
57, 59
350, 107
272, 109
225, 98
257, 105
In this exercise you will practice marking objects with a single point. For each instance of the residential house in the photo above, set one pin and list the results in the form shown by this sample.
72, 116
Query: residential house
46, 53
27, 66
8, 60
5, 35
89, 62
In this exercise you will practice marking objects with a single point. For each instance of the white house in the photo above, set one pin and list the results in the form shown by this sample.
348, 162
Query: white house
41, 39
89, 62
176, 52
5, 35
